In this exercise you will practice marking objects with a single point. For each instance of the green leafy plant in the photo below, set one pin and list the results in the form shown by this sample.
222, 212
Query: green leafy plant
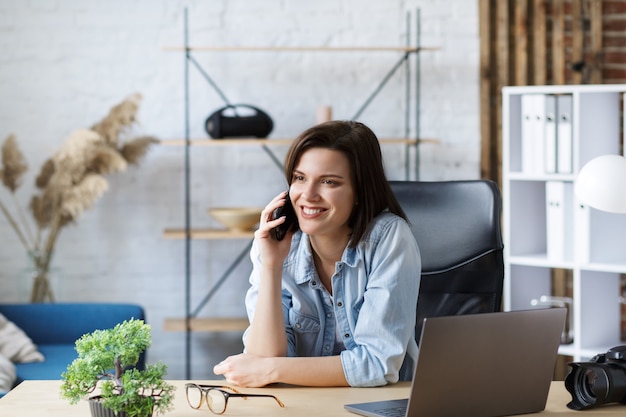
104, 371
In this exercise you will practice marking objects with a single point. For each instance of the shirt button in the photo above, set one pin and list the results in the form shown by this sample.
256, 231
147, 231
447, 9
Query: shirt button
347, 335
329, 315
314, 283
339, 304
298, 325
327, 347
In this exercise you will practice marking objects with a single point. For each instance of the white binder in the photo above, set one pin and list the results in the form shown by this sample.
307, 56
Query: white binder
582, 222
564, 134
559, 221
533, 113
527, 133
549, 134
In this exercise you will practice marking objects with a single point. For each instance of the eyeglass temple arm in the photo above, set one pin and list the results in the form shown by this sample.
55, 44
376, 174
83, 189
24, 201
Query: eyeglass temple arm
258, 395
219, 386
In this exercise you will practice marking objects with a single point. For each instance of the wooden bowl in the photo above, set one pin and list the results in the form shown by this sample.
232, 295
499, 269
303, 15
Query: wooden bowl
237, 218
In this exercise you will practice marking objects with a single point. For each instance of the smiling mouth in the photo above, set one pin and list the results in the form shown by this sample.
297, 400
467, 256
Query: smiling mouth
310, 212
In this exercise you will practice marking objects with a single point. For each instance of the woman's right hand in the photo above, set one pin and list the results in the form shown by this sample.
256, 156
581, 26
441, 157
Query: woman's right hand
272, 252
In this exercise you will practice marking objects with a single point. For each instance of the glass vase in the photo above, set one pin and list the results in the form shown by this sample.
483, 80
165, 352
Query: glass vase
41, 280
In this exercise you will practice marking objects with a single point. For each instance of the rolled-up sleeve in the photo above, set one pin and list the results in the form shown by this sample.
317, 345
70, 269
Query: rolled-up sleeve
383, 319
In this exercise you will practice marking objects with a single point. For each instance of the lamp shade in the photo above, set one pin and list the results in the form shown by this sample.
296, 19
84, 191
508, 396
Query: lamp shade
601, 183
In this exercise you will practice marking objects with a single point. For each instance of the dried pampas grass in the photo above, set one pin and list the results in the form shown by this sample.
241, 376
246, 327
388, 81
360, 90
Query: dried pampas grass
72, 180
83, 196
14, 164
70, 161
134, 150
42, 207
105, 160
119, 118
46, 172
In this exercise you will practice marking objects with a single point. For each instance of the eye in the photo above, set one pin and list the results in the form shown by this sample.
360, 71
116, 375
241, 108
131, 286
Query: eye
329, 181
297, 177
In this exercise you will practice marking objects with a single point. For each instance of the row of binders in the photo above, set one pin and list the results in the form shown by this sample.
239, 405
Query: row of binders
547, 134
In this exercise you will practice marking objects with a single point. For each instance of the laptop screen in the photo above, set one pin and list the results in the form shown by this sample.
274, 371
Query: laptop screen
491, 364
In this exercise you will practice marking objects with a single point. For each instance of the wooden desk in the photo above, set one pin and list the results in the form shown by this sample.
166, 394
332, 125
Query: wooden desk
41, 398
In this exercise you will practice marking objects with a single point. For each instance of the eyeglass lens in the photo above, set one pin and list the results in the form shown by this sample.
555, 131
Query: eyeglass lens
194, 396
216, 400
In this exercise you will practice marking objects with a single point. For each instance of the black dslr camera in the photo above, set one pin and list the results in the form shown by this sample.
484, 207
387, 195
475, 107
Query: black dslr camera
601, 380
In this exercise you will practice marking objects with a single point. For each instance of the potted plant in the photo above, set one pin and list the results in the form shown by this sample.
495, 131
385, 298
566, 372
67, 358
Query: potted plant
104, 373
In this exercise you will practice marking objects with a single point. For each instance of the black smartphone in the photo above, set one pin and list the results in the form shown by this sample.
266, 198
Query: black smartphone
291, 221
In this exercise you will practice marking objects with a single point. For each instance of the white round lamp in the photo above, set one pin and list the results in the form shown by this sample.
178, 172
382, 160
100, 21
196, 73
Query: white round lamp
601, 183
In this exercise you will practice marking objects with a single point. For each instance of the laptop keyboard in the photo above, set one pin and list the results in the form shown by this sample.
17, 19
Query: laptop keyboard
392, 412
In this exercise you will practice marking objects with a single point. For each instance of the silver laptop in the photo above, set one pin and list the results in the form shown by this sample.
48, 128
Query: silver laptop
480, 365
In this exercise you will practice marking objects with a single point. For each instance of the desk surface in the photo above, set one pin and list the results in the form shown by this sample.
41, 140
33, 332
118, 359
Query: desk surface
41, 398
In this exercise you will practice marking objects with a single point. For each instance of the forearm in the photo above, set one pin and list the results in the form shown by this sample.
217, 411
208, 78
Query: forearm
245, 370
266, 335
324, 371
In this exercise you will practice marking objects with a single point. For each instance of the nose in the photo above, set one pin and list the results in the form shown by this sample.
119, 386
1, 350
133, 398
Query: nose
310, 192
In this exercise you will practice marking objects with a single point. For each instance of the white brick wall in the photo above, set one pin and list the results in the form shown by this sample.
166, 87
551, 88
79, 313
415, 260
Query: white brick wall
65, 63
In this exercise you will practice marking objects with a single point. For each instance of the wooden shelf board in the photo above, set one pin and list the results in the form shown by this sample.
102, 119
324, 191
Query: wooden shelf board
197, 324
179, 233
226, 142
403, 49
276, 142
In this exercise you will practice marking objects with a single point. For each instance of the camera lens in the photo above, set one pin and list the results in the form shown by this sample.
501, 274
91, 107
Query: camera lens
588, 383
593, 384
583, 387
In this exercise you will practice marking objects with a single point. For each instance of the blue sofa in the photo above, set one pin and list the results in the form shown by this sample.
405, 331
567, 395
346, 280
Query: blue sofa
55, 327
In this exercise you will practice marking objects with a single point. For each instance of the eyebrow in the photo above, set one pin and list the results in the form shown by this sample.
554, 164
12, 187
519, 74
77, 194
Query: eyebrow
295, 171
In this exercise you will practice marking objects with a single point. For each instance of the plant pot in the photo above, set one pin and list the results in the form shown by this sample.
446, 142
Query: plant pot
98, 410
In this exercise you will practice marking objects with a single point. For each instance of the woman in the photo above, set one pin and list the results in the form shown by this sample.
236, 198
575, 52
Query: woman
333, 303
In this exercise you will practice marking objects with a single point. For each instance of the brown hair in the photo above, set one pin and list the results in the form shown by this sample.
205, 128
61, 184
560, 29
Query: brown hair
360, 146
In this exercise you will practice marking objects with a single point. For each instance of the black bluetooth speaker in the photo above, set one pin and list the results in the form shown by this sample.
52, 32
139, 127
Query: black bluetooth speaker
238, 120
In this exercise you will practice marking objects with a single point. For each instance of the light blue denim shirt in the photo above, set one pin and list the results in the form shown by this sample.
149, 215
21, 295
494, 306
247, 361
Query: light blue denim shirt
374, 300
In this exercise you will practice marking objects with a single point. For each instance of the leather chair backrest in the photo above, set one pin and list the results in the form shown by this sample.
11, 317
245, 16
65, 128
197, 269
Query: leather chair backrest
457, 228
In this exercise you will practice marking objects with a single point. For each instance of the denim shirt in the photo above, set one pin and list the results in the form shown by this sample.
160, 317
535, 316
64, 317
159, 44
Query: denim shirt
375, 288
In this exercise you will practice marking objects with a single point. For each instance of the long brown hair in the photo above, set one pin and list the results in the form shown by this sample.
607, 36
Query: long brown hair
360, 146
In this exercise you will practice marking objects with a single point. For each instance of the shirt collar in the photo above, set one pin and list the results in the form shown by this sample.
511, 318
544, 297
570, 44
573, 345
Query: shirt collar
303, 258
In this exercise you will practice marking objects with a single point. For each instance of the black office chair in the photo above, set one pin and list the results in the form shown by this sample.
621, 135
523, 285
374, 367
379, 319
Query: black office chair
457, 228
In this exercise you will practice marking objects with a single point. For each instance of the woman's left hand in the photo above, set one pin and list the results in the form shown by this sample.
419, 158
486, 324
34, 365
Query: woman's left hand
245, 370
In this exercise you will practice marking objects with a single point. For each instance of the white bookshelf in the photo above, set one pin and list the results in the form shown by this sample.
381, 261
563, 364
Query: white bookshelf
590, 243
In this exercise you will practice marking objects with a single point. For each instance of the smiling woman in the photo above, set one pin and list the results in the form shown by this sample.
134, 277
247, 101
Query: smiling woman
334, 302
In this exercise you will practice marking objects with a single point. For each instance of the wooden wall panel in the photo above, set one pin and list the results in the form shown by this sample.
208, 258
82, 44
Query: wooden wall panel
487, 84
538, 33
520, 30
578, 36
558, 42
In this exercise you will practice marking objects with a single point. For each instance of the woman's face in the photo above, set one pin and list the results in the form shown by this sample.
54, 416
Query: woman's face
322, 192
